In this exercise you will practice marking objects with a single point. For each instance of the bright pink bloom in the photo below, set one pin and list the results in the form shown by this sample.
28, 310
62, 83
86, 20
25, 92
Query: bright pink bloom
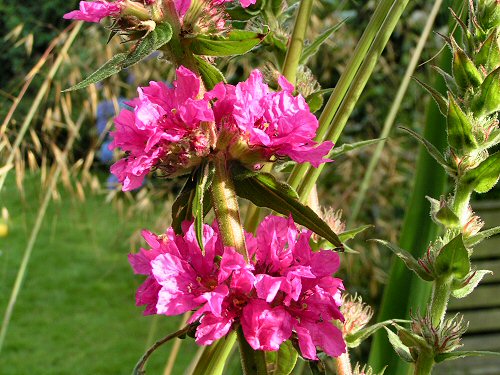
286, 287
169, 129
271, 123
296, 291
95, 11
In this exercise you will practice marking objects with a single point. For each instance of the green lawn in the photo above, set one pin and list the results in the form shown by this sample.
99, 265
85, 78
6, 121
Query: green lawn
76, 312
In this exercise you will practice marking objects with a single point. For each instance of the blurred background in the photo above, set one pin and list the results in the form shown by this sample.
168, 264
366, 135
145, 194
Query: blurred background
65, 229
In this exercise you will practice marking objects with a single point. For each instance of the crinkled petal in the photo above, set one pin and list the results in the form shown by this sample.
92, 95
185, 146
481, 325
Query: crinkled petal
212, 328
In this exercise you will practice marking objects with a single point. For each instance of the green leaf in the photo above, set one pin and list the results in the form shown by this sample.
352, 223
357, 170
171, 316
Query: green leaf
209, 73
433, 151
472, 281
477, 238
410, 339
462, 354
350, 234
313, 48
442, 214
150, 43
264, 190
237, 42
408, 259
401, 349
315, 100
450, 82
182, 206
459, 126
357, 338
464, 71
453, 259
346, 147
489, 52
203, 181
440, 100
281, 362
482, 178
487, 99
111, 67
156, 39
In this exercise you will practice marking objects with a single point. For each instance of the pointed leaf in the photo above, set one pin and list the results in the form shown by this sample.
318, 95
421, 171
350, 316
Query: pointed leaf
453, 259
440, 100
150, 43
408, 259
264, 190
462, 354
482, 178
346, 147
157, 38
111, 67
237, 42
283, 361
477, 238
460, 136
410, 339
450, 82
401, 349
489, 52
354, 340
209, 73
472, 281
203, 182
464, 71
350, 234
487, 99
313, 48
433, 151
442, 214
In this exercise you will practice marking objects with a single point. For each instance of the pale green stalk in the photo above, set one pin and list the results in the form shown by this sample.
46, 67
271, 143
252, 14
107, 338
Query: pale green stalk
345, 81
38, 99
415, 56
342, 115
21, 273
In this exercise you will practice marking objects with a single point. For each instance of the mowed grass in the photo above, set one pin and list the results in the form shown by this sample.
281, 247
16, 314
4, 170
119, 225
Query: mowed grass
76, 311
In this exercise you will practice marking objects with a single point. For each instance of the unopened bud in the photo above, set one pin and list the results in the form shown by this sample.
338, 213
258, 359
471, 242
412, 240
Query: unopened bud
356, 314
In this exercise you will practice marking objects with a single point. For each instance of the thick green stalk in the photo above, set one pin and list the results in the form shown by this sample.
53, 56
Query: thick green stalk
441, 291
345, 81
424, 363
253, 361
389, 121
214, 357
226, 207
355, 90
297, 41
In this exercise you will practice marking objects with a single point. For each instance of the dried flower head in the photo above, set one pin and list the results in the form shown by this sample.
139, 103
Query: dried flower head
444, 338
356, 314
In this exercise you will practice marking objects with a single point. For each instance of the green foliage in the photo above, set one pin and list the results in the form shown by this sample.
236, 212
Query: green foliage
281, 362
236, 42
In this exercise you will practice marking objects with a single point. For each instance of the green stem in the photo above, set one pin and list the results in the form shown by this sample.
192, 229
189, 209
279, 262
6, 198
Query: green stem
345, 81
214, 357
461, 201
358, 84
343, 364
226, 207
294, 51
389, 121
441, 291
424, 364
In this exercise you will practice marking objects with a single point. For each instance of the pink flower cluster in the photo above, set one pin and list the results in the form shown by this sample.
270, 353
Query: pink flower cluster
169, 128
285, 291
172, 129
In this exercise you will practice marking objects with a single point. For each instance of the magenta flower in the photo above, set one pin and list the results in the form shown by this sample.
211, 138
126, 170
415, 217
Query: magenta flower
270, 123
95, 11
295, 290
169, 129
286, 291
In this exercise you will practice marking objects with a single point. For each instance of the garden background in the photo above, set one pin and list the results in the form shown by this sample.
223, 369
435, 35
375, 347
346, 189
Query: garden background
74, 310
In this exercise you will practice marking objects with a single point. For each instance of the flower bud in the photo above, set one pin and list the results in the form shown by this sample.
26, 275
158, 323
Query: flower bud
356, 314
